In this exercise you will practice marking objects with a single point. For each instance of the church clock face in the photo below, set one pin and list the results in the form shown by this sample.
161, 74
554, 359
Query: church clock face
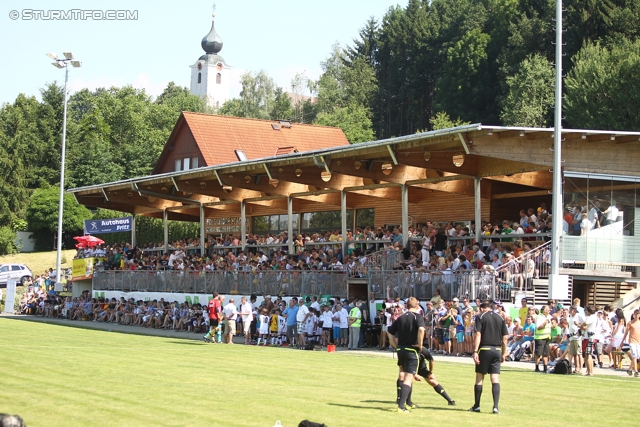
219, 66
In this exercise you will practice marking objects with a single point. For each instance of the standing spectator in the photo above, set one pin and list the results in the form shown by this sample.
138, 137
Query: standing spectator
633, 333
355, 321
246, 311
619, 330
301, 318
542, 338
290, 313
524, 311
576, 322
230, 316
490, 349
588, 343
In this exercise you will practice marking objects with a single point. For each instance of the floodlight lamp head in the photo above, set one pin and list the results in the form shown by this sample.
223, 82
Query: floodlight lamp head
57, 65
68, 55
52, 55
76, 64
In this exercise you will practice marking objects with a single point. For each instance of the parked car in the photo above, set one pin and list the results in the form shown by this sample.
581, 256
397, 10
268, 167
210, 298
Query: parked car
19, 272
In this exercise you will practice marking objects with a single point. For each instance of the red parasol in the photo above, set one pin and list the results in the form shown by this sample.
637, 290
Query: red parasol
90, 241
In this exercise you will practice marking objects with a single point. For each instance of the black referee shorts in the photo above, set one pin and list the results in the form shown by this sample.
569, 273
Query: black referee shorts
408, 359
489, 360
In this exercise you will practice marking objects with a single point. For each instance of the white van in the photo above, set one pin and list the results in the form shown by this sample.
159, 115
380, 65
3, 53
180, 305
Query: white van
19, 272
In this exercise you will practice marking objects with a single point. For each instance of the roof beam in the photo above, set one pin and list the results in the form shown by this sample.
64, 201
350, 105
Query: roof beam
539, 179
373, 170
312, 176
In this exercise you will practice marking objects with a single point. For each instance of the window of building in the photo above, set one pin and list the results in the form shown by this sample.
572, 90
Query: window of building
218, 78
194, 162
178, 165
186, 164
199, 77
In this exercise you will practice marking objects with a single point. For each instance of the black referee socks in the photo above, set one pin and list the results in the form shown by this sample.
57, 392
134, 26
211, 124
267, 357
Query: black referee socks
404, 394
398, 388
495, 390
477, 393
442, 392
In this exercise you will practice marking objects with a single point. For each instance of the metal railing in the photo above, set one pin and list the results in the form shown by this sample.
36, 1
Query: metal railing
385, 260
519, 272
274, 282
422, 284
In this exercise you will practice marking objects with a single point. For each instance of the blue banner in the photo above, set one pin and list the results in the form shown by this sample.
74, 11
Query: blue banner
101, 226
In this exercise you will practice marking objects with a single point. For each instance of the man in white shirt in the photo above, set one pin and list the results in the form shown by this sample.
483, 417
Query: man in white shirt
230, 315
478, 255
611, 214
576, 322
315, 304
592, 323
246, 311
301, 319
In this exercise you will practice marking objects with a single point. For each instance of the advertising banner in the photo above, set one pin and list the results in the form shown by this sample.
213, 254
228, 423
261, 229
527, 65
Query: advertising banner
11, 295
83, 268
113, 225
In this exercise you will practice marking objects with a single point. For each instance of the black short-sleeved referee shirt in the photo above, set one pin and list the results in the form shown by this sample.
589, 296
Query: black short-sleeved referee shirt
406, 327
492, 328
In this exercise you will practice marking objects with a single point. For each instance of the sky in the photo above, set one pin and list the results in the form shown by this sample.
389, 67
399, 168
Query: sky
282, 37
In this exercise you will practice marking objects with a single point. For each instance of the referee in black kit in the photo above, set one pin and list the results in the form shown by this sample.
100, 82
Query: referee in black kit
489, 352
410, 330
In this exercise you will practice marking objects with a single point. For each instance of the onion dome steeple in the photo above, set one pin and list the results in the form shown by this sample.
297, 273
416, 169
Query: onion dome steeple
212, 43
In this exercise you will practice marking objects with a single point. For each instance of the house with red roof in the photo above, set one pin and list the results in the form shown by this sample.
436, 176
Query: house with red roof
200, 140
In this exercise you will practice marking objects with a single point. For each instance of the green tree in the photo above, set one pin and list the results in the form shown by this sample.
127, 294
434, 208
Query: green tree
42, 216
352, 119
530, 98
7, 241
442, 121
282, 109
462, 88
603, 87
257, 97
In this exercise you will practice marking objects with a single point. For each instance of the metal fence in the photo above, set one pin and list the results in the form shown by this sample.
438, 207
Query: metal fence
423, 284
384, 260
296, 282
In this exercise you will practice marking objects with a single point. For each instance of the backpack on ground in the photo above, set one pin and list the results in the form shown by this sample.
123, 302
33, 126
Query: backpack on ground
563, 367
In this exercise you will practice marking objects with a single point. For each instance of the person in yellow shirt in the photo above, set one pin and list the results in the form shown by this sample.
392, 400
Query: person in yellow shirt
523, 312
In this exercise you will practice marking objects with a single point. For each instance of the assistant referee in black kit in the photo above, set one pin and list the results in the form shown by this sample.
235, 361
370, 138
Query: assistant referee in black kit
489, 352
410, 330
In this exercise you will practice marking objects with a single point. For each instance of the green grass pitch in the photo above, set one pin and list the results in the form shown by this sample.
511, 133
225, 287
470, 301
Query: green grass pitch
60, 376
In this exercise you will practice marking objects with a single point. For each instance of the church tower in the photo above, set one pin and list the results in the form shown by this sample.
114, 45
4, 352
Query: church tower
210, 75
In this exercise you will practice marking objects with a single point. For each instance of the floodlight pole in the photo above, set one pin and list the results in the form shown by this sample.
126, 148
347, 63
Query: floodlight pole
557, 205
59, 63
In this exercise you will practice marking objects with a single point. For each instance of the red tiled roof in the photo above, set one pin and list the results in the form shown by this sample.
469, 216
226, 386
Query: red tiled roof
218, 137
